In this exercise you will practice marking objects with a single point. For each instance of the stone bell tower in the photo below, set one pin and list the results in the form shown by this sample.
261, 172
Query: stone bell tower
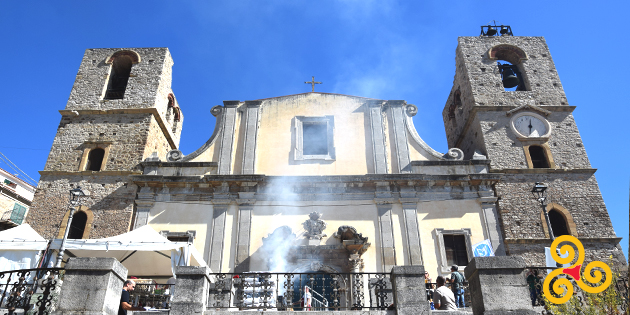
120, 112
529, 134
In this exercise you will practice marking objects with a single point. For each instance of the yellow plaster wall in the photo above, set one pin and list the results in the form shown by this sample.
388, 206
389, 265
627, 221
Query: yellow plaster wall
268, 217
449, 215
416, 152
182, 217
209, 155
274, 155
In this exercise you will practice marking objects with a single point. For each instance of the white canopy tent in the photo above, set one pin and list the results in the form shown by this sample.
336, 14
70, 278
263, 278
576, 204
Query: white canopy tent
20, 248
143, 251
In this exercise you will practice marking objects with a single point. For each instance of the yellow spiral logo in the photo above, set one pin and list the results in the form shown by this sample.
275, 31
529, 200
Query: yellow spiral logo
563, 287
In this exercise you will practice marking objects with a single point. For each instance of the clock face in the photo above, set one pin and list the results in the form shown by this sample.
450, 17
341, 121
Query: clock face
530, 126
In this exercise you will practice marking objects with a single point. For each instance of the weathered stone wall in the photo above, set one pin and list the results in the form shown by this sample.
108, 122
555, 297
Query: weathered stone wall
110, 198
479, 81
125, 134
578, 193
480, 121
505, 151
148, 86
534, 253
129, 129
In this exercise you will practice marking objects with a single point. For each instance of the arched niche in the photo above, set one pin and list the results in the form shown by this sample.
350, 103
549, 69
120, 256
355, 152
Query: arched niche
566, 215
88, 222
509, 53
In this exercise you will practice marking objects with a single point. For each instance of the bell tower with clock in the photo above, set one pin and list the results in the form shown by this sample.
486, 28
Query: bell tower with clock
507, 104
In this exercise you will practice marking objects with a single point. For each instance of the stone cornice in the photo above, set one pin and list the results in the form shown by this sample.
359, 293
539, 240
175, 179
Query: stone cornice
450, 162
508, 171
548, 241
151, 110
419, 179
179, 164
90, 173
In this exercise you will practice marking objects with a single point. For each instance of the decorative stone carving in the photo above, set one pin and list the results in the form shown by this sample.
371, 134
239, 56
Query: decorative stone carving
174, 155
355, 263
314, 226
215, 111
352, 241
454, 154
412, 110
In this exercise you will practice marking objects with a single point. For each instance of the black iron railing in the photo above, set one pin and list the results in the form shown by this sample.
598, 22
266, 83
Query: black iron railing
33, 290
300, 291
153, 296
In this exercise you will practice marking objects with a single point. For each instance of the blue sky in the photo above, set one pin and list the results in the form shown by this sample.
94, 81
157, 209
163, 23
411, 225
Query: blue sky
245, 50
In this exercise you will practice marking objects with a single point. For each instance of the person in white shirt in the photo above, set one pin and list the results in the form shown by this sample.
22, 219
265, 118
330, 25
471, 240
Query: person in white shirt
443, 298
307, 299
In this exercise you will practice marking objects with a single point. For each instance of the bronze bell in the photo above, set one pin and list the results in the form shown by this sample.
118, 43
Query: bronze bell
510, 79
503, 30
491, 31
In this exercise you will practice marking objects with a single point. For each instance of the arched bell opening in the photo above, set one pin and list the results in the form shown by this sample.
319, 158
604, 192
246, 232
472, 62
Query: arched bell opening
511, 76
558, 223
77, 227
510, 65
119, 77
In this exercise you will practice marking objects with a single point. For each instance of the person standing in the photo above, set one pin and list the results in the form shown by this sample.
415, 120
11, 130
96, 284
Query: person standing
125, 306
308, 299
443, 298
535, 284
457, 285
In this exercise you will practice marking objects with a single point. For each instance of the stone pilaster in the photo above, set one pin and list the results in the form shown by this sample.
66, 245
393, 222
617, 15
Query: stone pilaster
410, 296
144, 203
92, 286
498, 286
379, 151
219, 215
245, 209
400, 148
388, 252
251, 113
491, 220
414, 249
226, 140
192, 290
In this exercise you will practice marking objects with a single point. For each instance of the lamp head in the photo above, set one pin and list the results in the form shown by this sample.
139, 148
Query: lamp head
539, 190
75, 194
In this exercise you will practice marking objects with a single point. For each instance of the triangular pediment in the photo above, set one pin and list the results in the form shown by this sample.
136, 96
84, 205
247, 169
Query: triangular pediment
535, 108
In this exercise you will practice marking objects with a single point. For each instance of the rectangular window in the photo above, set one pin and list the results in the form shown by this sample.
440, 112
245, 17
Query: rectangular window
455, 248
314, 138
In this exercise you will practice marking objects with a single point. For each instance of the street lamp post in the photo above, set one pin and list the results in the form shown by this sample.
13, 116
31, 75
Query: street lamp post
539, 193
75, 195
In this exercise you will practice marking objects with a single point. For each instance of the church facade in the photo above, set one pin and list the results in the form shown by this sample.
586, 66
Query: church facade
328, 182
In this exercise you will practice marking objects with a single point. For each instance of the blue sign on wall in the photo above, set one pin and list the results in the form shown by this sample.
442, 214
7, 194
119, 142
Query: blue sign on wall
483, 249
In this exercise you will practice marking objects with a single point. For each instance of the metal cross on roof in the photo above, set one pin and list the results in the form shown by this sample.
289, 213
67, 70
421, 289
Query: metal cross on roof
312, 83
